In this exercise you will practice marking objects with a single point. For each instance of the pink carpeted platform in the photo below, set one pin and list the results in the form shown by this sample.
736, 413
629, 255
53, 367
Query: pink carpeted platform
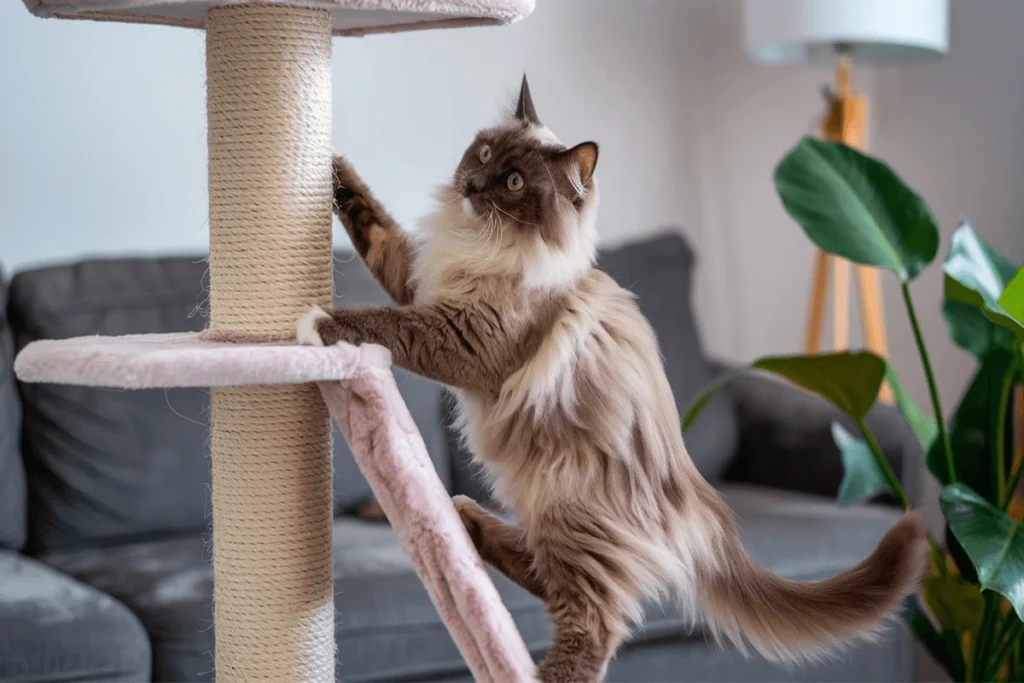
360, 392
150, 361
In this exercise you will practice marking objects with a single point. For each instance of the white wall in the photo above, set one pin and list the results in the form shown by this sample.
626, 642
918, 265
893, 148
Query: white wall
102, 140
953, 128
755, 262
102, 134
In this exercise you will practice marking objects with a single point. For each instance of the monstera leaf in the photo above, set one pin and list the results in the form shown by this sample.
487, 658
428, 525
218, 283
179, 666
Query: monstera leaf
855, 206
993, 541
976, 278
850, 381
862, 477
970, 430
1012, 299
956, 603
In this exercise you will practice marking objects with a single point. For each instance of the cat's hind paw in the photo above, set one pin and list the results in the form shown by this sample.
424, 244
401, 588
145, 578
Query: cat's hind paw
307, 330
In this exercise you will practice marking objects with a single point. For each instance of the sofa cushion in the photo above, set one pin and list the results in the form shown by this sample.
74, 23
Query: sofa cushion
53, 628
659, 271
13, 491
387, 628
108, 466
385, 624
678, 659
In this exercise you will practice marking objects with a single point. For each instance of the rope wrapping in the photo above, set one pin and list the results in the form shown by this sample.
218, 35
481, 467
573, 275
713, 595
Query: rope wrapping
269, 137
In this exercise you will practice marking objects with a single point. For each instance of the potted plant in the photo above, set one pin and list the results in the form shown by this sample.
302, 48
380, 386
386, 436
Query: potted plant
969, 611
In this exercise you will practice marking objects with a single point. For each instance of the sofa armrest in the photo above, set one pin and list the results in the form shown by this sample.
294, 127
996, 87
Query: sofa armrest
786, 439
54, 628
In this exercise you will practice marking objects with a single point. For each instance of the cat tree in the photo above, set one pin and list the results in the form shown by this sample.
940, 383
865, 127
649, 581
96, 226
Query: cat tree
268, 75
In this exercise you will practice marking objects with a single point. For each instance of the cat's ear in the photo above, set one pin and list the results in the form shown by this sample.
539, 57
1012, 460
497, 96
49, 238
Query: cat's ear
524, 108
579, 162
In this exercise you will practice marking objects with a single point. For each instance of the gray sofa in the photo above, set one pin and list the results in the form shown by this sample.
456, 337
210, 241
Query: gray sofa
104, 498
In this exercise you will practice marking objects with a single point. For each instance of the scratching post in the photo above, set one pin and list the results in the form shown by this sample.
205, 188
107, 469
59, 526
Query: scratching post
270, 257
268, 75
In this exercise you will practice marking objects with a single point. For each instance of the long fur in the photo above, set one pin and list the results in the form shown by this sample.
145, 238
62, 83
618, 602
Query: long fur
564, 400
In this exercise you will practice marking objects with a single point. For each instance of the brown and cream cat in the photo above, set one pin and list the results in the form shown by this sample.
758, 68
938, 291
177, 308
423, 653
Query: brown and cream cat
564, 400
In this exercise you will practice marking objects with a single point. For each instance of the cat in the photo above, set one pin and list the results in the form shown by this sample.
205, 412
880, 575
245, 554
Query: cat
564, 400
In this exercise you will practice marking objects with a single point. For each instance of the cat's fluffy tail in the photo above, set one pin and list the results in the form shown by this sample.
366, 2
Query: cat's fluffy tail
792, 621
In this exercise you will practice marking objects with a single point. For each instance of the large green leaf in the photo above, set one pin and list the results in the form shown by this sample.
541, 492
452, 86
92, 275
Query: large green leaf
855, 206
993, 541
861, 476
956, 603
1012, 299
971, 432
976, 277
850, 381
969, 327
922, 424
959, 555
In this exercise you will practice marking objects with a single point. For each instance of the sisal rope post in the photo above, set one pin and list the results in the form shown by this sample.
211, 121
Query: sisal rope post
269, 136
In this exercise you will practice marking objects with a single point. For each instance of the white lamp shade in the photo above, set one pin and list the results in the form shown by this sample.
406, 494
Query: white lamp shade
809, 31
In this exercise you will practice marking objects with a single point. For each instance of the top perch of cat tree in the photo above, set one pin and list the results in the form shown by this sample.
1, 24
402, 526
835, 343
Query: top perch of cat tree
348, 17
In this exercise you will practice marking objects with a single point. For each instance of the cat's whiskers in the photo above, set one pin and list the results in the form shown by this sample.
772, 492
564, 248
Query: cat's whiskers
498, 237
518, 220
491, 226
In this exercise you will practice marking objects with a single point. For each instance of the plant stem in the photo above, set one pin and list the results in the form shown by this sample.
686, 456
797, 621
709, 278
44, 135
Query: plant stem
1018, 469
1012, 630
999, 427
1015, 478
883, 464
940, 417
979, 662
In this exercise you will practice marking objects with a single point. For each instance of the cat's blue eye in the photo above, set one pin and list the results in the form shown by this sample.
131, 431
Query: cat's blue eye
485, 154
515, 181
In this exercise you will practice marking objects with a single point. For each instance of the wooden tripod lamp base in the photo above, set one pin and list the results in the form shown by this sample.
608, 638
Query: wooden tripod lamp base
846, 122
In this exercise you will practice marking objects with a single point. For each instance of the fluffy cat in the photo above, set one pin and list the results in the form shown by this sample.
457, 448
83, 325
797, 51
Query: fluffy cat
564, 400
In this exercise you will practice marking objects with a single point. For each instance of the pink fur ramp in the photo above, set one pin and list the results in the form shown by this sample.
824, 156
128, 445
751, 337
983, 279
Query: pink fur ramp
360, 391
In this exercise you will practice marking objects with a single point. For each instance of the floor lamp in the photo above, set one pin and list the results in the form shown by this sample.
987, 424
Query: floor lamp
841, 32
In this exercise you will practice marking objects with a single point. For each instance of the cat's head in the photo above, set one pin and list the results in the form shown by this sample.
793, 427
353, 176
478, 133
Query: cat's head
537, 195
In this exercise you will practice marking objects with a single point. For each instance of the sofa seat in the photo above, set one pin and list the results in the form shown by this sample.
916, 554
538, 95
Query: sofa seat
57, 629
168, 584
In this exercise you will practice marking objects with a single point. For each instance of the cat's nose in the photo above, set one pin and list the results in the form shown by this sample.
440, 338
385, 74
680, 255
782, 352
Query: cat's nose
475, 184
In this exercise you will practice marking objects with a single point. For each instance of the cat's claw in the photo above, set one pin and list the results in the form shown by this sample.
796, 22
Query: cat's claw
307, 330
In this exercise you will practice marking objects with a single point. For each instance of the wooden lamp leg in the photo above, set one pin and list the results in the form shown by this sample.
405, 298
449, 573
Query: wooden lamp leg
816, 313
841, 304
846, 122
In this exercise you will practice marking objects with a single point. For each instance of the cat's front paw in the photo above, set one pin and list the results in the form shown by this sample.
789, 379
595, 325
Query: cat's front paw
308, 331
347, 184
469, 513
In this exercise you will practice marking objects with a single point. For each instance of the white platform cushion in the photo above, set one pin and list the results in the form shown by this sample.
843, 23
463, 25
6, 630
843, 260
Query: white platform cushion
350, 17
